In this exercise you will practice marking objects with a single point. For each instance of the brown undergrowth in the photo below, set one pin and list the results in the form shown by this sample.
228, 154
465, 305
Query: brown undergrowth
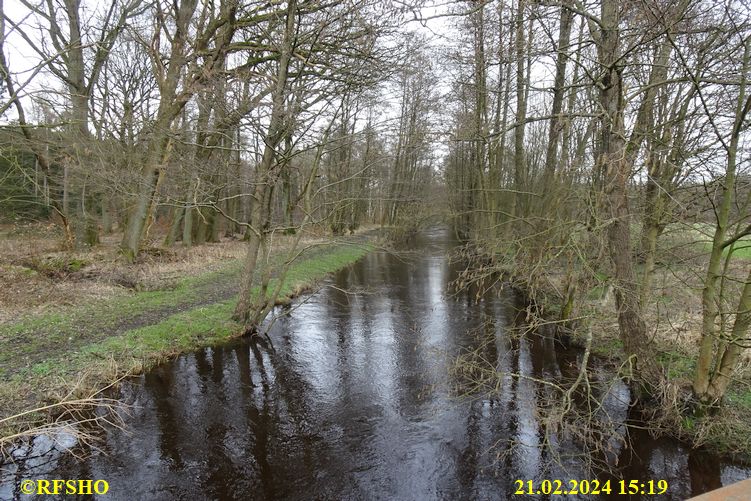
38, 275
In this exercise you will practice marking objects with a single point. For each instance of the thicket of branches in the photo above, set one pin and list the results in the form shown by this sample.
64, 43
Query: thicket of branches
587, 136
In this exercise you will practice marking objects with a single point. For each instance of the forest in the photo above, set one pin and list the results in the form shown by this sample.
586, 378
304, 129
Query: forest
177, 174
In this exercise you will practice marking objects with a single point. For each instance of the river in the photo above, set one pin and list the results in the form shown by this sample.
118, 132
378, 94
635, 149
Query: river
357, 398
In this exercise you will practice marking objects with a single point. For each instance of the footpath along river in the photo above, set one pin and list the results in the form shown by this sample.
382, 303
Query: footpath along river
357, 400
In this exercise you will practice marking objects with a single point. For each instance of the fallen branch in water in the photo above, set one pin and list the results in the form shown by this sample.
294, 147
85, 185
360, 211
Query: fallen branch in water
78, 416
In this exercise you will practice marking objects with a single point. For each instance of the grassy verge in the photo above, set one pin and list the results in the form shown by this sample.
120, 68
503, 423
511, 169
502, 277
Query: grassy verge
102, 356
36, 335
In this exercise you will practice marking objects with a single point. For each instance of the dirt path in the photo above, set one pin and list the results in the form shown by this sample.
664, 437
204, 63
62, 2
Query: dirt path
37, 339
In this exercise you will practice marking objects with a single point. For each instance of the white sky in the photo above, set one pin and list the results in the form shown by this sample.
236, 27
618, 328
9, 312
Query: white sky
442, 32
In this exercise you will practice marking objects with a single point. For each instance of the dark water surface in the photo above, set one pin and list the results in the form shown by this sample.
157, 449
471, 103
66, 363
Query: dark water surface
357, 400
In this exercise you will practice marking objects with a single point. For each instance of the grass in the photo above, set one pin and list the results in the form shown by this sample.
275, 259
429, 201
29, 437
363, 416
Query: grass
106, 357
702, 235
741, 398
729, 432
741, 250
678, 366
102, 312
76, 326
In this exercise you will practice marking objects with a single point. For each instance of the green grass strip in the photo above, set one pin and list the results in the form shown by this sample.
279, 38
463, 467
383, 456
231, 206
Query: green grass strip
142, 347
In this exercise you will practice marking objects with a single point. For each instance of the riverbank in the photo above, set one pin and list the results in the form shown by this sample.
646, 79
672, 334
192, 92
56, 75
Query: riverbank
673, 318
51, 352
727, 432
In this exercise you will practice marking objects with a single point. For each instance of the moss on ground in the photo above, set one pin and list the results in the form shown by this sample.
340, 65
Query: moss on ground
61, 365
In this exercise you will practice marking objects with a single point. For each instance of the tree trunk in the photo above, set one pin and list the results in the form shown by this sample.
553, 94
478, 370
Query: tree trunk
612, 164
176, 217
554, 133
710, 294
739, 340
520, 163
247, 310
150, 173
170, 105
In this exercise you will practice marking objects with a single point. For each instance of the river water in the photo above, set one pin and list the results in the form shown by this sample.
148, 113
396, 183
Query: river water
358, 398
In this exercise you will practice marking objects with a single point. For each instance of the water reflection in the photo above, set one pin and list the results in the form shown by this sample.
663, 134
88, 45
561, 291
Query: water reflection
356, 400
